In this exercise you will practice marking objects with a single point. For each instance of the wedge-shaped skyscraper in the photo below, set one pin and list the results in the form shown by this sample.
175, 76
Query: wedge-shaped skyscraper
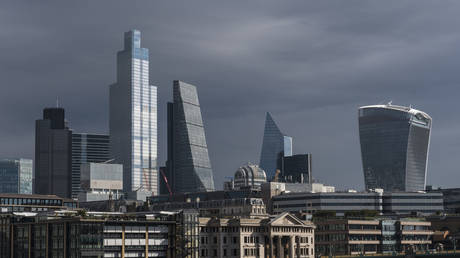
188, 165
275, 146
394, 147
133, 119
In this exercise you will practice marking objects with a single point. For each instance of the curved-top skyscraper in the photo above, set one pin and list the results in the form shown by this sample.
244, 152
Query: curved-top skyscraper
394, 147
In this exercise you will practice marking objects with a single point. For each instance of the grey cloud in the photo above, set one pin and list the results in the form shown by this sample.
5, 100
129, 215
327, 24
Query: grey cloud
311, 64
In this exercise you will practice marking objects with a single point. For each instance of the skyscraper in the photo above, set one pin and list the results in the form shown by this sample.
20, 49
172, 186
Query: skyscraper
16, 176
394, 147
275, 146
133, 118
87, 148
297, 169
188, 164
53, 147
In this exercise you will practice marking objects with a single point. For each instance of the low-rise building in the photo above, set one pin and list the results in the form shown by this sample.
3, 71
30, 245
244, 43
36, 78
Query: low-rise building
34, 203
342, 202
370, 236
94, 235
277, 236
100, 181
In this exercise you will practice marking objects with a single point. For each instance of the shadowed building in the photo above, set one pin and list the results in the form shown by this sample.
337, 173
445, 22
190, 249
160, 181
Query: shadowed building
87, 148
297, 169
53, 154
188, 165
394, 147
275, 146
16, 176
133, 119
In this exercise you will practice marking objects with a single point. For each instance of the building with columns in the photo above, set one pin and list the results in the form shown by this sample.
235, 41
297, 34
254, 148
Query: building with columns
282, 236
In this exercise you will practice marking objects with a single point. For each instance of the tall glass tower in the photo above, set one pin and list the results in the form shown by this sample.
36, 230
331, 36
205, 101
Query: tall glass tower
394, 147
188, 165
133, 118
275, 146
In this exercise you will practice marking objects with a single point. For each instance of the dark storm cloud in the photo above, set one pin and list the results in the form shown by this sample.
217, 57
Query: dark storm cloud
311, 64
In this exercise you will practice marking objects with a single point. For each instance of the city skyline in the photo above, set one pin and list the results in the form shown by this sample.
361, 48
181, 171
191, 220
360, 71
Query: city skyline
312, 73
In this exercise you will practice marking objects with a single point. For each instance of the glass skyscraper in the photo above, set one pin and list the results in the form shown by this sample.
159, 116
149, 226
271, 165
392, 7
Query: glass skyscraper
394, 147
188, 165
87, 148
16, 176
133, 118
275, 146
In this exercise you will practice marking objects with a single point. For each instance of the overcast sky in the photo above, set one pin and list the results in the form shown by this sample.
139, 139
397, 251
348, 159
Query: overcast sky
310, 63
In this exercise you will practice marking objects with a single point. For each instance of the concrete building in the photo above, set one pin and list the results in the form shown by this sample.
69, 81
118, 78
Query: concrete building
101, 181
279, 236
341, 202
394, 147
371, 236
133, 120
87, 148
94, 235
188, 164
271, 189
16, 176
53, 154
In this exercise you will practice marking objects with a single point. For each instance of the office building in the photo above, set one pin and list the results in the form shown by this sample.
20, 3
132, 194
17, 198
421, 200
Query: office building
297, 169
133, 119
16, 176
451, 198
275, 146
188, 165
394, 147
100, 181
94, 234
343, 202
34, 203
283, 235
87, 148
361, 236
53, 154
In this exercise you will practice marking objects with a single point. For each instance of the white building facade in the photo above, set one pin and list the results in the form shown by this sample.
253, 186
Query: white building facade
133, 119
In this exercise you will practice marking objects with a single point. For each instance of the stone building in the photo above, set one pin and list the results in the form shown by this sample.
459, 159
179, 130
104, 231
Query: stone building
279, 236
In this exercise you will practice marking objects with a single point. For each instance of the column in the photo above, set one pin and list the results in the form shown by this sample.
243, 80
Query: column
279, 248
291, 247
271, 252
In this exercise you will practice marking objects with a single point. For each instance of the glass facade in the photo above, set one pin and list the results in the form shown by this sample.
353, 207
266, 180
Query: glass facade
189, 168
87, 148
16, 176
275, 146
297, 169
394, 147
133, 118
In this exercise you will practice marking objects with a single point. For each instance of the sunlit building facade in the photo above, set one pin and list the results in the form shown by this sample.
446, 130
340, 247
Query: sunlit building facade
133, 118
275, 146
394, 147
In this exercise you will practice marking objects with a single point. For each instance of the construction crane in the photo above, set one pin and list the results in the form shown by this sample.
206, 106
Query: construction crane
166, 181
277, 173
